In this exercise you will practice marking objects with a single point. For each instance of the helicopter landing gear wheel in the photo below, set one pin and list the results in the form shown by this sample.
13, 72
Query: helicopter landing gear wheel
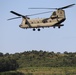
59, 27
38, 29
53, 26
34, 29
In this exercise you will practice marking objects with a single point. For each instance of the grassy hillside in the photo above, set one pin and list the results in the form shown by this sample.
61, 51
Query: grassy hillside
39, 63
48, 70
38, 59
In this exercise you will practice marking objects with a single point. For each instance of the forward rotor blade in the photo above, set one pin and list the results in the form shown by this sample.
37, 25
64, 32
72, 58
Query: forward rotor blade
17, 14
26, 15
39, 13
68, 6
14, 18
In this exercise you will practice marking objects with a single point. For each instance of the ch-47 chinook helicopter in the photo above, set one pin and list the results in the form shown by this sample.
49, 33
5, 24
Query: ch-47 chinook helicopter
54, 20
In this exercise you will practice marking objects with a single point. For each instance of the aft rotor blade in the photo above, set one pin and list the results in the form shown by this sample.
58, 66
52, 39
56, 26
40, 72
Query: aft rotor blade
67, 6
14, 18
42, 8
39, 13
56, 8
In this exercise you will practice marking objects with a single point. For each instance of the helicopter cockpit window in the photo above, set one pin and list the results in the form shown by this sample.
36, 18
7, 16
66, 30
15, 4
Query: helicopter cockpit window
54, 13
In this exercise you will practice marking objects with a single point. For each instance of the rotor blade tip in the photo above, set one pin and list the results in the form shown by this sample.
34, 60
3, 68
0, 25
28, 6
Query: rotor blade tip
11, 11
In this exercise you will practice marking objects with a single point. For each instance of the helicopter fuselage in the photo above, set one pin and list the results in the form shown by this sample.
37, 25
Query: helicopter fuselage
55, 20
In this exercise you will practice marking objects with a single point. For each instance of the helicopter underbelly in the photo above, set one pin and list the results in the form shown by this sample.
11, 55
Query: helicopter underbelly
43, 24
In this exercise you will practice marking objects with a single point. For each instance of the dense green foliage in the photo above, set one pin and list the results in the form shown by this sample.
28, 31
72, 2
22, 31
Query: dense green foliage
45, 59
36, 59
7, 63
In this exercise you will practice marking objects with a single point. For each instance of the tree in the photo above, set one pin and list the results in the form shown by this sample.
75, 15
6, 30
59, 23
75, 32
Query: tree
7, 64
1, 54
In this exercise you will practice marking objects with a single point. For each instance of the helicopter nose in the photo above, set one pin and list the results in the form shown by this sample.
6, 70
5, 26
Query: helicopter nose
20, 25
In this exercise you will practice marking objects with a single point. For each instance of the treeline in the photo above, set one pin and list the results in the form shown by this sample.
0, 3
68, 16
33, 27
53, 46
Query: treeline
7, 63
36, 58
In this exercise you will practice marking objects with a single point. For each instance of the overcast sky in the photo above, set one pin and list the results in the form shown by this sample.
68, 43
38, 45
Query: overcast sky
14, 39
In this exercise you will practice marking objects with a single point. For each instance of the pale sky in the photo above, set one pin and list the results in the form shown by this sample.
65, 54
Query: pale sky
14, 39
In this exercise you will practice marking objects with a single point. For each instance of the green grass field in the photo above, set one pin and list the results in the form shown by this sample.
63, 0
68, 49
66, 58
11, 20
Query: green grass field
48, 70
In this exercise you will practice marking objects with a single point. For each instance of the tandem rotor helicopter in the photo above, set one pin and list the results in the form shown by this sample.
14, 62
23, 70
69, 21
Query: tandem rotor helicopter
54, 20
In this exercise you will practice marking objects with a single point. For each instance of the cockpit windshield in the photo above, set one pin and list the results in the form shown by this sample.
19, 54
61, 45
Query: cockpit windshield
54, 14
